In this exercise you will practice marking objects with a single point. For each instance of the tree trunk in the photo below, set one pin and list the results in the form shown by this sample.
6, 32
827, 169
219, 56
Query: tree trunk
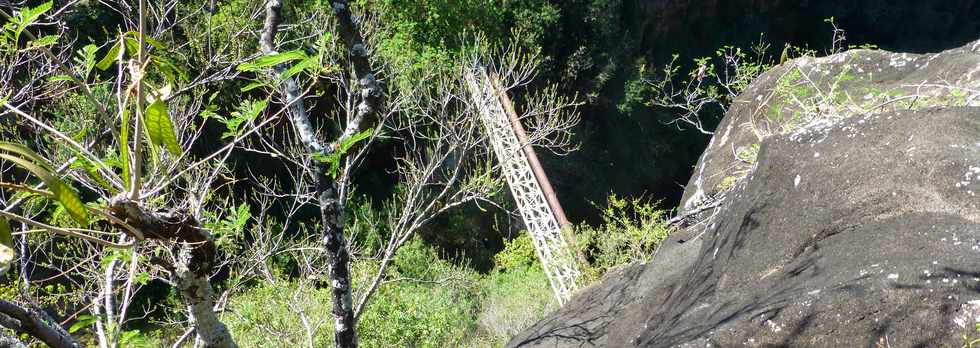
331, 218
331, 207
195, 261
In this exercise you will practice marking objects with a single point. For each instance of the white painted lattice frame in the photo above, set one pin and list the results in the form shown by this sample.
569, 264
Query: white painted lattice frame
550, 244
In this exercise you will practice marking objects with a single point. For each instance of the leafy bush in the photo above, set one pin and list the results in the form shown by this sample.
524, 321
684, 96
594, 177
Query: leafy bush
426, 302
513, 300
272, 314
518, 253
514, 296
412, 314
631, 230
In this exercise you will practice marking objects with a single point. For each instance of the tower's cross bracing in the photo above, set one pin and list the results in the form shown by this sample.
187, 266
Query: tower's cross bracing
549, 242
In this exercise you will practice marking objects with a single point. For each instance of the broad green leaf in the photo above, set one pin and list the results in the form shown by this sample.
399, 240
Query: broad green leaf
131, 45
81, 322
346, 144
29, 154
63, 193
333, 159
59, 78
305, 64
6, 245
252, 86
6, 236
92, 169
272, 60
133, 35
88, 55
247, 111
109, 58
27, 17
46, 40
124, 146
159, 127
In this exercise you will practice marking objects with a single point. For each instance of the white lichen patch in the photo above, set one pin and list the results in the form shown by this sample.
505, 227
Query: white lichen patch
968, 315
776, 328
972, 174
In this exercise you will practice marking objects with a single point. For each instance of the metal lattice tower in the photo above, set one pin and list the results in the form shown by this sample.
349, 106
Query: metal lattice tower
539, 216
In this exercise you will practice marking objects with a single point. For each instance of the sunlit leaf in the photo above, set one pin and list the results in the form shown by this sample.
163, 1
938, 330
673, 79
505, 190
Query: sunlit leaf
252, 86
124, 145
247, 112
356, 138
88, 55
159, 127
109, 58
333, 159
46, 40
81, 322
24, 151
272, 60
92, 169
59, 78
27, 17
133, 35
305, 64
63, 193
6, 245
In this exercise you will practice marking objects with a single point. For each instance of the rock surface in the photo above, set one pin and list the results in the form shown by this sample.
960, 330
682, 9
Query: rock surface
856, 222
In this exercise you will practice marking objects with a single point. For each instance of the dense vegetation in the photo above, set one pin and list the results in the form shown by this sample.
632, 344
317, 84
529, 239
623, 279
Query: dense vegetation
195, 138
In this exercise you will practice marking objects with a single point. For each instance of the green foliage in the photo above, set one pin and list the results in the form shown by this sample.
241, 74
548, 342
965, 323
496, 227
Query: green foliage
34, 163
24, 18
6, 245
228, 231
516, 294
333, 158
109, 57
428, 302
246, 113
81, 322
265, 62
518, 253
411, 314
631, 230
160, 129
277, 307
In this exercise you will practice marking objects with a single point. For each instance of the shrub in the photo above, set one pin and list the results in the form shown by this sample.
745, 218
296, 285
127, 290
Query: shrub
272, 315
514, 296
425, 302
631, 230
518, 253
513, 300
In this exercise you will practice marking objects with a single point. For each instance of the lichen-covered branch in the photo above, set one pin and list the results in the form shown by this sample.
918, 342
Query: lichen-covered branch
297, 111
195, 261
331, 207
35, 323
370, 90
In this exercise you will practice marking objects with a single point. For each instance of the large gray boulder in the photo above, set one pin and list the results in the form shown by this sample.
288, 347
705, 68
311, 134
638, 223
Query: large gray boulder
849, 215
